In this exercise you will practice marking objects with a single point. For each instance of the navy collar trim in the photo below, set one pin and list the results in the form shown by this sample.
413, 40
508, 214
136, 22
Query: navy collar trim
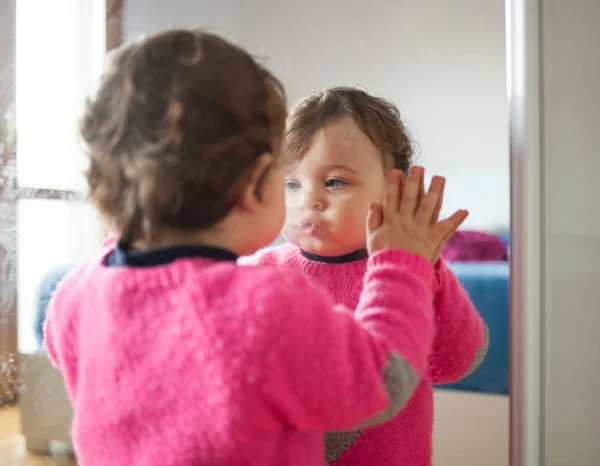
352, 257
125, 256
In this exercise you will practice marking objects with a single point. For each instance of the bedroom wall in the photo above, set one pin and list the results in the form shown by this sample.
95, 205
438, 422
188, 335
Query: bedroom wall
442, 62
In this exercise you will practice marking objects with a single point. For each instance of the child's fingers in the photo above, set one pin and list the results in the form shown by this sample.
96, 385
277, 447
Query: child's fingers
447, 227
421, 190
410, 195
440, 248
438, 207
374, 217
443, 242
392, 194
426, 209
401, 183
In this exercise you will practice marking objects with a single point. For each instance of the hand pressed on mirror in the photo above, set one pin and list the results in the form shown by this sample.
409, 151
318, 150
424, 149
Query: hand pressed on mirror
413, 215
439, 184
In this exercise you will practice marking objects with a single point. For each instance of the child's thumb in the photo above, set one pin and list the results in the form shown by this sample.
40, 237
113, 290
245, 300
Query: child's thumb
374, 217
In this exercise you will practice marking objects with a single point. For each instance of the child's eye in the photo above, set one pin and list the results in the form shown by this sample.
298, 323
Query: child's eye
334, 183
291, 185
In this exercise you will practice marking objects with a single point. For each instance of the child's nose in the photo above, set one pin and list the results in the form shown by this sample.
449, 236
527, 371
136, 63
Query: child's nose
313, 201
317, 205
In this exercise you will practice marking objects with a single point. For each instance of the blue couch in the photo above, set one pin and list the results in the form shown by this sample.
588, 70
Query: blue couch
487, 285
47, 287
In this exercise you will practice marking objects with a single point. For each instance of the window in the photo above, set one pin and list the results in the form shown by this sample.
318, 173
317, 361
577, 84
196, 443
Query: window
60, 49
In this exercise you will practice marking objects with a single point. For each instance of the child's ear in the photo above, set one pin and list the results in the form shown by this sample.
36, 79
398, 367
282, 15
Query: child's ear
256, 190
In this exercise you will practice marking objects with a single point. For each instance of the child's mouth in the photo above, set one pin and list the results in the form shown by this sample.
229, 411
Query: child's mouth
308, 228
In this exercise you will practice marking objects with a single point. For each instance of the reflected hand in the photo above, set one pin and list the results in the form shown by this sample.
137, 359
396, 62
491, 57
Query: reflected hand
408, 217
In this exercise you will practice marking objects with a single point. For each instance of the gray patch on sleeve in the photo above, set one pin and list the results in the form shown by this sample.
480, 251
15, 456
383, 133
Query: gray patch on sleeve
336, 443
481, 352
400, 381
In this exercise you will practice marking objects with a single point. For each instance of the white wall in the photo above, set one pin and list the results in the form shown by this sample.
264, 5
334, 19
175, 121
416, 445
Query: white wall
571, 231
441, 61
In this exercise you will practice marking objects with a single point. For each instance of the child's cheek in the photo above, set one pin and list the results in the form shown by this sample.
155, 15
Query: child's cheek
290, 227
359, 220
350, 217
292, 200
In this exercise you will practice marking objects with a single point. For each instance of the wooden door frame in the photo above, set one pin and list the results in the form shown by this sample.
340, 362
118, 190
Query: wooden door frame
115, 10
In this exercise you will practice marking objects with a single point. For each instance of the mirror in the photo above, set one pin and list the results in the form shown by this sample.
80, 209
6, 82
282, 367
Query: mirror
443, 65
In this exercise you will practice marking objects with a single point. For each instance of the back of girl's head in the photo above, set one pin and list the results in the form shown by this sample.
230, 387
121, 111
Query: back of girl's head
175, 128
378, 118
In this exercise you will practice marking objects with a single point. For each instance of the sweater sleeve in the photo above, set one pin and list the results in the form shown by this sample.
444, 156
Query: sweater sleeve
334, 370
460, 341
60, 332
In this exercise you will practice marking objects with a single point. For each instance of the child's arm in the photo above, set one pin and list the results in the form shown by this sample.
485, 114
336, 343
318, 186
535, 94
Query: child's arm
332, 370
60, 332
461, 337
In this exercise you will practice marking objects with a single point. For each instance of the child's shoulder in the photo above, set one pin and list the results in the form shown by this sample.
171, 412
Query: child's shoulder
273, 256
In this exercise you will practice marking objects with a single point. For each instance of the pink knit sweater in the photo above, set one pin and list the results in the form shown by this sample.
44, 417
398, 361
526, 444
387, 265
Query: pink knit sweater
407, 439
182, 357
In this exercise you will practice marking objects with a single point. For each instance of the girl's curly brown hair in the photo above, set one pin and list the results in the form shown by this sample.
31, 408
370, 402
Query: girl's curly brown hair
378, 118
177, 123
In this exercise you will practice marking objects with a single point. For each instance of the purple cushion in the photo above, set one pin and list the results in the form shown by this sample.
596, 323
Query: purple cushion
469, 246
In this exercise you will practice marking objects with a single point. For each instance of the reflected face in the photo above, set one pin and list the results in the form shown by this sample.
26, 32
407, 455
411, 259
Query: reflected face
328, 192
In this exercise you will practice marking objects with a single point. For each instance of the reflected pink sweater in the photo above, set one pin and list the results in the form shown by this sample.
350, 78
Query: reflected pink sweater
202, 362
407, 439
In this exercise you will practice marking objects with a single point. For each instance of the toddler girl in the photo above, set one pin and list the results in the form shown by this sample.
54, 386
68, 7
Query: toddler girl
340, 144
174, 355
